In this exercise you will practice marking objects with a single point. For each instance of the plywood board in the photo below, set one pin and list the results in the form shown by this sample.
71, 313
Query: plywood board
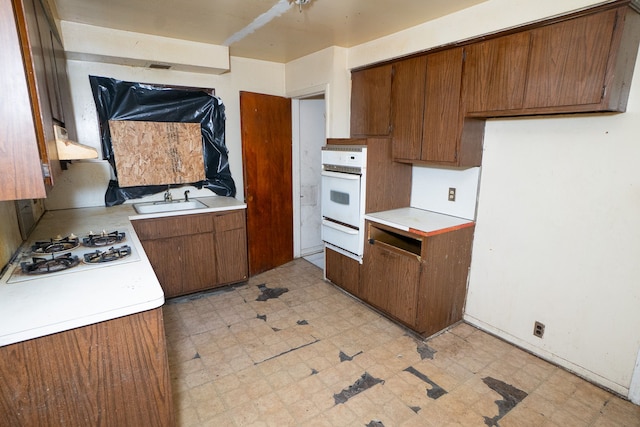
157, 153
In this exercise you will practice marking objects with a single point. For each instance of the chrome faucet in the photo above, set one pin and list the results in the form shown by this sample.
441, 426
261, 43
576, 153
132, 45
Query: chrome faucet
167, 195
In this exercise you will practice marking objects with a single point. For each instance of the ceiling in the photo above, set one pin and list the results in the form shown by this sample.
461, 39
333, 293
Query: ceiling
272, 30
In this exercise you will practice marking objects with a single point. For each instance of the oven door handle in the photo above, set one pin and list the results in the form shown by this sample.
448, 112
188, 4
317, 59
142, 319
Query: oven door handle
339, 227
340, 175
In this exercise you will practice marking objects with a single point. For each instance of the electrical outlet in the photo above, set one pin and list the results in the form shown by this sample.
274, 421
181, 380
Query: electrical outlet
452, 194
538, 329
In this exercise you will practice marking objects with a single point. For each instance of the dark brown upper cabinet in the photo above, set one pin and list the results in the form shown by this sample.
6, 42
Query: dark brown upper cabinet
34, 83
370, 95
495, 73
580, 64
427, 122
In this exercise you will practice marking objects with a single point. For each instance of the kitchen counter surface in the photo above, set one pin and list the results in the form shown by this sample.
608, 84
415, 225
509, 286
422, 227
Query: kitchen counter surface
47, 304
419, 221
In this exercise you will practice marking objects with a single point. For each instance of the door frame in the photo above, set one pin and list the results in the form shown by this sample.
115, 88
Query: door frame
296, 97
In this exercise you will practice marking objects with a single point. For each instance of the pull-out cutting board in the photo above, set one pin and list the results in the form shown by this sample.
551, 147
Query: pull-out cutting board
157, 153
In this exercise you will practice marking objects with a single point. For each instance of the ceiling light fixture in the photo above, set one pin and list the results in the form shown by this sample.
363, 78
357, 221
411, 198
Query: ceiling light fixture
300, 3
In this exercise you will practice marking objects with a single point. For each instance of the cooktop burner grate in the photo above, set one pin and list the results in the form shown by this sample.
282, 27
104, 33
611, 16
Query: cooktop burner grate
50, 265
103, 239
111, 254
56, 245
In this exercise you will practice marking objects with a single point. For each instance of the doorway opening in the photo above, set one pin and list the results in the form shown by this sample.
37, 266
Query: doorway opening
308, 137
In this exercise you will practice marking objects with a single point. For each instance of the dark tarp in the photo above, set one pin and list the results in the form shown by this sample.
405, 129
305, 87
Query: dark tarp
120, 100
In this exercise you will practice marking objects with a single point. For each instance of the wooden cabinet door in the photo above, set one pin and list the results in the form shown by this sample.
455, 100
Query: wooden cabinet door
197, 262
442, 128
495, 73
166, 259
231, 247
231, 256
407, 107
391, 282
20, 162
370, 101
568, 61
343, 271
33, 21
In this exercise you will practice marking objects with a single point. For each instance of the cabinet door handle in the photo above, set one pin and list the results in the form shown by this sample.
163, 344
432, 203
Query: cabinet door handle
372, 241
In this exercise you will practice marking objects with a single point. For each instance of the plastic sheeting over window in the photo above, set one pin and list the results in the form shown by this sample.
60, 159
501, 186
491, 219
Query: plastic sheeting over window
120, 100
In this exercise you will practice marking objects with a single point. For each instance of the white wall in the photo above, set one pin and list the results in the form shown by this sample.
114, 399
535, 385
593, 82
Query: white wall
557, 239
324, 72
430, 190
84, 184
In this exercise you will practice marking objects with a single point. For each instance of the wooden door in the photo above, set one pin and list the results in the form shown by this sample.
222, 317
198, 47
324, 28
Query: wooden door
265, 122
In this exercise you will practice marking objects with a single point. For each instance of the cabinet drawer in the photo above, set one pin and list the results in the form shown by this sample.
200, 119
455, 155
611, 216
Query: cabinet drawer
183, 225
407, 244
229, 221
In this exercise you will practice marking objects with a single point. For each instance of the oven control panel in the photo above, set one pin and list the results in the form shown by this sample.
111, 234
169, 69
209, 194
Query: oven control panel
352, 156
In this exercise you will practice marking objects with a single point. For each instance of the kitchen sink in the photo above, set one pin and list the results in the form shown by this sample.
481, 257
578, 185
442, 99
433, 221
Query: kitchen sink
169, 206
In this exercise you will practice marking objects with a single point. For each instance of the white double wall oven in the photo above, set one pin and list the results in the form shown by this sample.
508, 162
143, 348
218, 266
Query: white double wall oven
343, 198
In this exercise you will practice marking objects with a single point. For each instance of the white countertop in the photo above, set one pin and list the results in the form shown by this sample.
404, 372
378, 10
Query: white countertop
75, 298
418, 220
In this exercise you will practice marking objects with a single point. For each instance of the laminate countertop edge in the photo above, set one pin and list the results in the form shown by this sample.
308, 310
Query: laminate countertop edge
419, 221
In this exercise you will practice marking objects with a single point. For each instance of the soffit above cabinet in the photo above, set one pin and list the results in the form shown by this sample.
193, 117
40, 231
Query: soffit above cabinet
98, 44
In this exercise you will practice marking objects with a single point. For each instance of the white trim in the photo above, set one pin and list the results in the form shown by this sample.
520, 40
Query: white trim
295, 173
634, 387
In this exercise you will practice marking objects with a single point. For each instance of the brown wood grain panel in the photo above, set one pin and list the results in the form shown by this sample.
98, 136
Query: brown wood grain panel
157, 153
198, 258
408, 107
165, 256
343, 271
157, 228
32, 22
370, 101
495, 73
391, 280
20, 162
111, 373
621, 63
443, 285
388, 182
231, 256
266, 153
442, 116
568, 61
230, 221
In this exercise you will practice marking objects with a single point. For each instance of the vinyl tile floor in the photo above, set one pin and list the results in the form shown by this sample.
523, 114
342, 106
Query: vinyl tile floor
288, 349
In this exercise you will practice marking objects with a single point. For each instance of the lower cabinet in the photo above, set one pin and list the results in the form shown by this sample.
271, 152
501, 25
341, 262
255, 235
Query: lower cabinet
190, 253
416, 279
342, 271
113, 373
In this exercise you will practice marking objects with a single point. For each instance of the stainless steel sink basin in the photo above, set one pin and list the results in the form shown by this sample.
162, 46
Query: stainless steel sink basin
174, 205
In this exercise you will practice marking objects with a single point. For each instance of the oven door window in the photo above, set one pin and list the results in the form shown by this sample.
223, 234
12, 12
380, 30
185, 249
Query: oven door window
341, 197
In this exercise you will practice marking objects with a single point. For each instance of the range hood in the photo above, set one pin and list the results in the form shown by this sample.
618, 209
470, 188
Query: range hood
71, 150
